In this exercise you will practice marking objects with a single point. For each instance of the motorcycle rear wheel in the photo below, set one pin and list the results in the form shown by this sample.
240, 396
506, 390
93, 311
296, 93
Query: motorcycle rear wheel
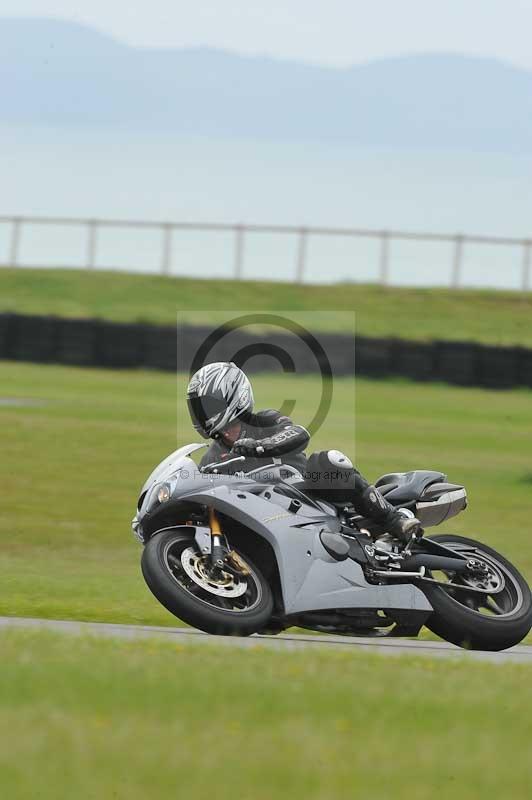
228, 605
481, 622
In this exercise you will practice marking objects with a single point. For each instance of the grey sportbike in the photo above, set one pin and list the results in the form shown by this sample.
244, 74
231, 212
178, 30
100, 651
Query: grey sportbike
256, 552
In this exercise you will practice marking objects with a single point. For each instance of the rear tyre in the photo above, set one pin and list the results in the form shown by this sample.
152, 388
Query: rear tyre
493, 621
226, 604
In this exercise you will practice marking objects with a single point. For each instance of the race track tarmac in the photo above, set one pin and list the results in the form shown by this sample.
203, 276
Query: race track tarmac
285, 641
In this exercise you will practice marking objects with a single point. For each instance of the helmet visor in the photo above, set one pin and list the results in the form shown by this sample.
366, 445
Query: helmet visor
204, 412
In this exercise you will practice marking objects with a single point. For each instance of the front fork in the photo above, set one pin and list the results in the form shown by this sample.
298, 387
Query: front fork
218, 548
221, 556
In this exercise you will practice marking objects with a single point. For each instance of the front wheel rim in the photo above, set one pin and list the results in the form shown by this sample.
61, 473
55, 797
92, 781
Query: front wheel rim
187, 567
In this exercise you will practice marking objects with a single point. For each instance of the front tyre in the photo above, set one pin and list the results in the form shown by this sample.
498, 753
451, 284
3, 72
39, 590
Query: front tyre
226, 604
497, 618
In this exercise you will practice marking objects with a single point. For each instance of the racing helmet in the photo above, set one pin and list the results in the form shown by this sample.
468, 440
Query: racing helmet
217, 395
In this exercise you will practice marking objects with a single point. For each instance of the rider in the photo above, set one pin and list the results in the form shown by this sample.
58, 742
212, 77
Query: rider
220, 402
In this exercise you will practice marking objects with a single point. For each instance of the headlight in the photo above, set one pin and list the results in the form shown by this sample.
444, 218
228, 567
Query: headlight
163, 493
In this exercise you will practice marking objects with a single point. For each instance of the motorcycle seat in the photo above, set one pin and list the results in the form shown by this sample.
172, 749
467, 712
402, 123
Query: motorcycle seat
407, 487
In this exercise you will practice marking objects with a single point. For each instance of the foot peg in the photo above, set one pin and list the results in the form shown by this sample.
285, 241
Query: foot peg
402, 527
406, 529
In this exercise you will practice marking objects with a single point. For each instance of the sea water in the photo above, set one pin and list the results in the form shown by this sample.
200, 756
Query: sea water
123, 174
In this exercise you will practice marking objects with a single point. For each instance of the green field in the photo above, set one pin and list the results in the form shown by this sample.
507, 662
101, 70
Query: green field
111, 720
485, 316
71, 469
97, 719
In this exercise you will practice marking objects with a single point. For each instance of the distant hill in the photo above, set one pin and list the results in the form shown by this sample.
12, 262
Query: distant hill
65, 74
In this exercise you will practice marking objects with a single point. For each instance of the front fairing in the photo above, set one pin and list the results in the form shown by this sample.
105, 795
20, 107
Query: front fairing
180, 476
177, 486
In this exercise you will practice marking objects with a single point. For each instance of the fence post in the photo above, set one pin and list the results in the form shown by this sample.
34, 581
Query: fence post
166, 258
91, 243
457, 261
384, 258
15, 241
526, 266
301, 255
239, 251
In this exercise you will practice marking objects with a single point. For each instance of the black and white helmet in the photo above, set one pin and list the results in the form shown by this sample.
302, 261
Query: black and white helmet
217, 395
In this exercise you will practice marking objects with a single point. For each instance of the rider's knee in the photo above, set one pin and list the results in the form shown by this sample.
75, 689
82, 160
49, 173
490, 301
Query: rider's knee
330, 473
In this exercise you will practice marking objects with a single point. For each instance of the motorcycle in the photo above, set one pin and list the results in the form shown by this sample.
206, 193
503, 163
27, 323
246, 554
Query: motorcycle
256, 552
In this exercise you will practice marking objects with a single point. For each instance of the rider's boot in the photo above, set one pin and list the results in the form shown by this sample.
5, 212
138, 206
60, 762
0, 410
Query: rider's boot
375, 506
331, 476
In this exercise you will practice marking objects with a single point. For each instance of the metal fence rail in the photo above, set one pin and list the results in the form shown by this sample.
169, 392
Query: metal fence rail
385, 238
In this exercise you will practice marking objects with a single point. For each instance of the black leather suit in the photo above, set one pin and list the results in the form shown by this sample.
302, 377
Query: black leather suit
276, 433
328, 474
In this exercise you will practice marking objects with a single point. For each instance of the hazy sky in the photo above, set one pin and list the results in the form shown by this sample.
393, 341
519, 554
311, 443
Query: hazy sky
327, 31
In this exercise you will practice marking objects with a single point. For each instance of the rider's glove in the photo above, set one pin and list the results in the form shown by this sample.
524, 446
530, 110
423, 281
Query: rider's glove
245, 447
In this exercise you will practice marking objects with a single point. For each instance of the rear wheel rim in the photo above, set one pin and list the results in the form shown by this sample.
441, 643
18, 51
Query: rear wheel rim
223, 592
506, 596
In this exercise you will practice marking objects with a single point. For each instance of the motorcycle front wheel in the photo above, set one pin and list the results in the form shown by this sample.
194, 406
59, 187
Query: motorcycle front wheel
496, 617
223, 603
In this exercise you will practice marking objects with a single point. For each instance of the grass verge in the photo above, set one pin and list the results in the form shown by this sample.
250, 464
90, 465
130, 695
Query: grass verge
494, 317
91, 719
